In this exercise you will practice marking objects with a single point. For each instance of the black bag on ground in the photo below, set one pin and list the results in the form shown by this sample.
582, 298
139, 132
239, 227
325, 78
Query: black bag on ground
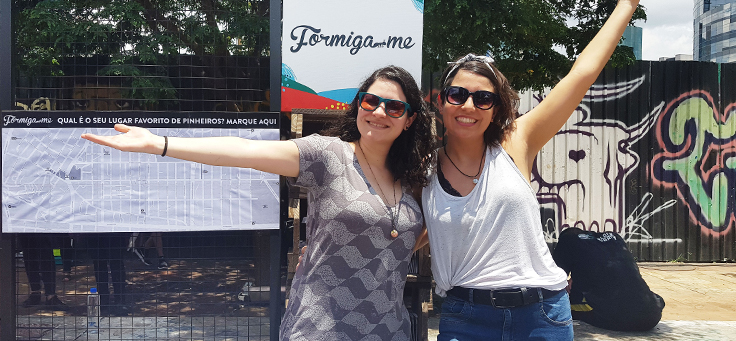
607, 289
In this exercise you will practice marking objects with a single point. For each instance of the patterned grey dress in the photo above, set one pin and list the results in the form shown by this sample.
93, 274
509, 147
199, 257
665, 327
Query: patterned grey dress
350, 284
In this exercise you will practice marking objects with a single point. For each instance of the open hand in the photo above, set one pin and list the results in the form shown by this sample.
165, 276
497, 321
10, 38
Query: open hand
633, 3
132, 139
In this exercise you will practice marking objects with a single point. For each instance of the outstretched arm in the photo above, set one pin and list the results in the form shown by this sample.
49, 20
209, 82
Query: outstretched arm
539, 125
278, 157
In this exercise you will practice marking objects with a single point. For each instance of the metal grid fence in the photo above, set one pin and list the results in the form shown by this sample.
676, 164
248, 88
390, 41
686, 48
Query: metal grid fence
197, 286
153, 55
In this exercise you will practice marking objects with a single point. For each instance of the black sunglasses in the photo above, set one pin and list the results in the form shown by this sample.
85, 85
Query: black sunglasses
394, 107
482, 99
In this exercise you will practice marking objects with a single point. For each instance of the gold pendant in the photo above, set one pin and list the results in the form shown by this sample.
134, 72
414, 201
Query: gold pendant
394, 233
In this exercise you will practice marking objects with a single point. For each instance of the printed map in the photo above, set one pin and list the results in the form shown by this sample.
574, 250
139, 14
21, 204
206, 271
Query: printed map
55, 181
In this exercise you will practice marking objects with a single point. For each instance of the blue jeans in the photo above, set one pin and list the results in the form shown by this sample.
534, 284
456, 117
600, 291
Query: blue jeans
548, 320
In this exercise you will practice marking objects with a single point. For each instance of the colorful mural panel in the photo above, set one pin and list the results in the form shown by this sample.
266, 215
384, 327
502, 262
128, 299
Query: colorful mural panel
580, 175
698, 159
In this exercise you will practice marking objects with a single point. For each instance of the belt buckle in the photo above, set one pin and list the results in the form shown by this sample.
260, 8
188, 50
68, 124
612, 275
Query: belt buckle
493, 302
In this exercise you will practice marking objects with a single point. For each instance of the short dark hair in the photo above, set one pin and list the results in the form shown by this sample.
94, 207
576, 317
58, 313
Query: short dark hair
410, 154
505, 112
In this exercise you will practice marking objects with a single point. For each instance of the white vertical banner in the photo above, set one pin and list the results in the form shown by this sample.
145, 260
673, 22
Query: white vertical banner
330, 46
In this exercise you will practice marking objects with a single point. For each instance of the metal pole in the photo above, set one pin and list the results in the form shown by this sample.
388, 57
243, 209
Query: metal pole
274, 306
7, 251
275, 41
6, 54
275, 235
7, 287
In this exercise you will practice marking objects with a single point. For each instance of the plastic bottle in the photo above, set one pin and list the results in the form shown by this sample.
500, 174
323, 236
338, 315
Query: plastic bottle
93, 309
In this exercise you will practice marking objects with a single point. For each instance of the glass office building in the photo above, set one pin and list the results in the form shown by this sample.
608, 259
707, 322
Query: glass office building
632, 38
715, 31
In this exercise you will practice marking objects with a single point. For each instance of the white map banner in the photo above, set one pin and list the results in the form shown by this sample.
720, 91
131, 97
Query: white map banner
54, 181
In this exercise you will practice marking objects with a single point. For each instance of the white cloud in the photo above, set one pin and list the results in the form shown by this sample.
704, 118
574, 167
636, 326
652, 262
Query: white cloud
668, 30
667, 41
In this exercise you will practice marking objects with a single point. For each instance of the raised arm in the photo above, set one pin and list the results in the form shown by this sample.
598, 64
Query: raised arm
277, 157
539, 125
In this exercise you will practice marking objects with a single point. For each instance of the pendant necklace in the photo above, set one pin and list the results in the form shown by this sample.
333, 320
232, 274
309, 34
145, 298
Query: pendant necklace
388, 209
480, 166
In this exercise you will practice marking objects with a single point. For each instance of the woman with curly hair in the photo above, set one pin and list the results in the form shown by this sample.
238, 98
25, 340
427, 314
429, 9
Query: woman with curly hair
363, 221
489, 255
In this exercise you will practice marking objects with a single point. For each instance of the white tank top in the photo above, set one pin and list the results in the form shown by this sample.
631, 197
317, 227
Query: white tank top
492, 238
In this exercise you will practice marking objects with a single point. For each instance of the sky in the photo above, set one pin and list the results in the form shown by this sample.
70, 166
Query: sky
668, 30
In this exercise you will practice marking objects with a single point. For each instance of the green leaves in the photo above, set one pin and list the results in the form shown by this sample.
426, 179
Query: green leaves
530, 39
135, 39
523, 36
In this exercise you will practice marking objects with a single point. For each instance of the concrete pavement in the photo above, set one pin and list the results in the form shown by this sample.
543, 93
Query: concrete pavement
665, 331
694, 292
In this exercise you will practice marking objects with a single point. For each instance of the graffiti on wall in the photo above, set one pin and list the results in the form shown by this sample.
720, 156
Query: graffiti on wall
580, 175
698, 159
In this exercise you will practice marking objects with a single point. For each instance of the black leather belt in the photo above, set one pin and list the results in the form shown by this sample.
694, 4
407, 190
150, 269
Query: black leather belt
506, 298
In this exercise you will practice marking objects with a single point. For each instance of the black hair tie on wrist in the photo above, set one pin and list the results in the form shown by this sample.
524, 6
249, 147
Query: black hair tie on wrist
166, 145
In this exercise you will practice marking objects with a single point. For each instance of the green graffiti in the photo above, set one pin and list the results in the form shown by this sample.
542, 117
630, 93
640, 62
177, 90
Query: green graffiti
714, 203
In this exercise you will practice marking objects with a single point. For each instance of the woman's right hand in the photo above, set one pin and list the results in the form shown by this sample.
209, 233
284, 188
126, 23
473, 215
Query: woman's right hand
132, 139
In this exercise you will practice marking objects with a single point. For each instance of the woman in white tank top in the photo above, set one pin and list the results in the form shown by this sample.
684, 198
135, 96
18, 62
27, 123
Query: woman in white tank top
489, 256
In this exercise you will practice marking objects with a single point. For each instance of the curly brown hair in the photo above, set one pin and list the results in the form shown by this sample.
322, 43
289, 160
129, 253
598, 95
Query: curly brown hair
410, 154
506, 111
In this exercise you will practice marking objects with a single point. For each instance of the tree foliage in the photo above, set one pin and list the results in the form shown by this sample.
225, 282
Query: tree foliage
143, 28
138, 36
521, 35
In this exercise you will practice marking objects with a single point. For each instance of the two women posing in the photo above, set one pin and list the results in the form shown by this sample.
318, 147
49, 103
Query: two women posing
488, 252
